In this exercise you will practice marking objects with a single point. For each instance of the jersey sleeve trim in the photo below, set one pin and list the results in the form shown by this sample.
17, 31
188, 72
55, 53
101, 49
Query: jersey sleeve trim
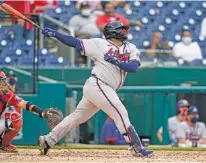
83, 48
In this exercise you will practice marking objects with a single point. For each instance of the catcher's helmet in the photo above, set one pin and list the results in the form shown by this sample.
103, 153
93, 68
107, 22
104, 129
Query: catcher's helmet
116, 30
3, 82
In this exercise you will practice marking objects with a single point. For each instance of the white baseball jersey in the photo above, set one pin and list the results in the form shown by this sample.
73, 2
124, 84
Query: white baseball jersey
184, 131
173, 123
96, 48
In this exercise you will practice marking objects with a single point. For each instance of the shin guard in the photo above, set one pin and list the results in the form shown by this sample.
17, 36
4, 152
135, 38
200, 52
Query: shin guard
133, 139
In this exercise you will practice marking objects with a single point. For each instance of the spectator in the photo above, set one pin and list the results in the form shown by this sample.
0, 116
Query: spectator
94, 5
22, 29
110, 134
12, 79
173, 122
203, 28
187, 50
40, 6
84, 23
110, 15
158, 48
191, 132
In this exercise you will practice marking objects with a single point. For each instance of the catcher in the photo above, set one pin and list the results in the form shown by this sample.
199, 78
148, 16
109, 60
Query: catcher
11, 123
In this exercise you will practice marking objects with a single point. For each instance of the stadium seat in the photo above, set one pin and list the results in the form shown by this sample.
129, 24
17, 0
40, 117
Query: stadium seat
57, 62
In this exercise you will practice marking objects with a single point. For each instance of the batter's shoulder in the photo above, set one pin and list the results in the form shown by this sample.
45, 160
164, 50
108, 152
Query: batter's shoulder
100, 41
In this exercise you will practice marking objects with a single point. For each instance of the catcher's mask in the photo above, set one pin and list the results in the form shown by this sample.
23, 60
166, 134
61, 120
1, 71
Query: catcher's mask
4, 86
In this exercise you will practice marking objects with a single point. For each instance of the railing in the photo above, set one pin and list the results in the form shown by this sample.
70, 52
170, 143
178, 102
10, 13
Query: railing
166, 90
65, 27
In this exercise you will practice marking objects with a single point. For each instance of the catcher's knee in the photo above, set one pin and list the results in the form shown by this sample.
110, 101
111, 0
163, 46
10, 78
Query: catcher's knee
17, 125
13, 120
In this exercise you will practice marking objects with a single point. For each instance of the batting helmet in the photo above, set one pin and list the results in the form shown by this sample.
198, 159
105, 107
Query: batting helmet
116, 30
4, 86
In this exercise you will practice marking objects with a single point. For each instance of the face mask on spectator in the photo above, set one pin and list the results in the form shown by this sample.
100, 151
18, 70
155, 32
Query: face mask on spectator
85, 12
186, 40
195, 120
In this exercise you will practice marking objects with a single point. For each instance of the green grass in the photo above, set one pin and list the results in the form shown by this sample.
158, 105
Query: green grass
116, 147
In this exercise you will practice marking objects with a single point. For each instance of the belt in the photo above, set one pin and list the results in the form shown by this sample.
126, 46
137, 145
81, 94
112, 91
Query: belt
95, 76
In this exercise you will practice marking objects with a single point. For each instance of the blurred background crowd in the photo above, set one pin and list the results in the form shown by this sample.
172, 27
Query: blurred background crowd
166, 32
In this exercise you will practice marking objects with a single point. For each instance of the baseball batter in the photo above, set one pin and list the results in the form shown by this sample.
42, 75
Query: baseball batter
113, 57
191, 132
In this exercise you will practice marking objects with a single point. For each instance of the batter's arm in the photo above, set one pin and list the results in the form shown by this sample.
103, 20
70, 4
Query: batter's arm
67, 40
131, 66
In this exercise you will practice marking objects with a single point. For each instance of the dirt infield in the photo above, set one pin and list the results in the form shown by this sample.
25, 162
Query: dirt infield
91, 155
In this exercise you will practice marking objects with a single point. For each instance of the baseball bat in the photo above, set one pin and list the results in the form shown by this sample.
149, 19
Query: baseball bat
17, 14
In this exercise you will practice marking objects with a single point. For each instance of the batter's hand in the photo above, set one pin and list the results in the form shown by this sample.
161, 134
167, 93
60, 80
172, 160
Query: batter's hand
49, 32
111, 59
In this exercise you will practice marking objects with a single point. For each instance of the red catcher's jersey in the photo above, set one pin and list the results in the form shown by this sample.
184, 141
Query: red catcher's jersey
7, 99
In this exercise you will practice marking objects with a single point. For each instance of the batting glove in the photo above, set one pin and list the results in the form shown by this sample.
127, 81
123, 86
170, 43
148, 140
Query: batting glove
49, 32
111, 59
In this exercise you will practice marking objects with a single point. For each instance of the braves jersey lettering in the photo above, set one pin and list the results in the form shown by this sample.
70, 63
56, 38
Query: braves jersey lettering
184, 131
96, 49
8, 98
120, 57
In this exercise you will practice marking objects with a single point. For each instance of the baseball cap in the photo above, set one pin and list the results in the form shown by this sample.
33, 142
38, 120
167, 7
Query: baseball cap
192, 110
182, 102
84, 4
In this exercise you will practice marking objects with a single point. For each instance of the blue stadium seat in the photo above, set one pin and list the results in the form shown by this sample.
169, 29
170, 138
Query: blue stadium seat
25, 45
197, 62
57, 62
8, 61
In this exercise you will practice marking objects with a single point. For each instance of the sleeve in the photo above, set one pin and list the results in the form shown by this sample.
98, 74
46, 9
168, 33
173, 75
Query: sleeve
203, 135
134, 55
14, 99
174, 51
180, 132
74, 23
100, 21
203, 28
90, 47
198, 51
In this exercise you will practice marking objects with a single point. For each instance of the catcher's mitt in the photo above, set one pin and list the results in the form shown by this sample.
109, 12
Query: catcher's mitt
54, 116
